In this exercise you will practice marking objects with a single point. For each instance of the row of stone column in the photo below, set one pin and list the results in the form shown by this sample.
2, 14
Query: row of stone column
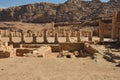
45, 37
50, 33
62, 33
78, 36
5, 33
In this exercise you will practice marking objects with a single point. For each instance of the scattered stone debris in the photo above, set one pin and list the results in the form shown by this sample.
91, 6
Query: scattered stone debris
118, 65
109, 58
67, 54
6, 51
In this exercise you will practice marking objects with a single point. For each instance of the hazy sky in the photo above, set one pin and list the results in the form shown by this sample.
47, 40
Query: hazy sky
8, 3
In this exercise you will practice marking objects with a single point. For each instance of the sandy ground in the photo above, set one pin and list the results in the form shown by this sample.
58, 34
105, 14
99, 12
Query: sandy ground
33, 68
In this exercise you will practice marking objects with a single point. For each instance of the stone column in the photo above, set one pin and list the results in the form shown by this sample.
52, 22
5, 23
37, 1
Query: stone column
22, 37
53, 33
45, 36
34, 38
30, 34
101, 38
101, 32
68, 37
64, 32
5, 43
10, 38
53, 29
75, 34
41, 34
15, 33
119, 35
58, 29
5, 33
56, 38
19, 34
12, 51
38, 34
72, 34
2, 34
114, 25
89, 36
78, 36
21, 45
53, 25
48, 33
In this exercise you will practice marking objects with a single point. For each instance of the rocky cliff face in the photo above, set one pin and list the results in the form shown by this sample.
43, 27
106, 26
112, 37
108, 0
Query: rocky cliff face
0, 13
71, 10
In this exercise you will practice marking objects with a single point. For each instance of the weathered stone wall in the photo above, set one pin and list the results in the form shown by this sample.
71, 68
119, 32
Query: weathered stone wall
4, 54
68, 46
72, 46
56, 48
21, 52
106, 29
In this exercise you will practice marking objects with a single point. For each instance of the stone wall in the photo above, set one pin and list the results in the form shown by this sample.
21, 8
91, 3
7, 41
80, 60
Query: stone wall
106, 29
4, 54
72, 46
56, 48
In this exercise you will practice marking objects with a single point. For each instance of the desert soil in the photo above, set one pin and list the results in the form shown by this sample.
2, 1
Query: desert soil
33, 68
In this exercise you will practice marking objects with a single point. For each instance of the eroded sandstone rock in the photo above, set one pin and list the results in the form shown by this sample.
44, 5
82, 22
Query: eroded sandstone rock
70, 11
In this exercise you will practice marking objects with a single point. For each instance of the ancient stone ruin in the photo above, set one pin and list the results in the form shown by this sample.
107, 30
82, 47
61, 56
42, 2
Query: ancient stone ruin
63, 41
110, 27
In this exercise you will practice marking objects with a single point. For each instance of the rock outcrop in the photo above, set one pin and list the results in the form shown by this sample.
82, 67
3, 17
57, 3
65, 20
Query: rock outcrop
70, 11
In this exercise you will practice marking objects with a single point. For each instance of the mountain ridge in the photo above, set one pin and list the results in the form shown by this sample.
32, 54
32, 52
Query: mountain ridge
70, 11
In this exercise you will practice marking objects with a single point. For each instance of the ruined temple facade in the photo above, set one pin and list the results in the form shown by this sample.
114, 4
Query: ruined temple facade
116, 26
110, 27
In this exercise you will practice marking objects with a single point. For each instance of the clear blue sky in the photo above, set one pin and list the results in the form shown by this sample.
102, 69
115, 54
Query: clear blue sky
9, 3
